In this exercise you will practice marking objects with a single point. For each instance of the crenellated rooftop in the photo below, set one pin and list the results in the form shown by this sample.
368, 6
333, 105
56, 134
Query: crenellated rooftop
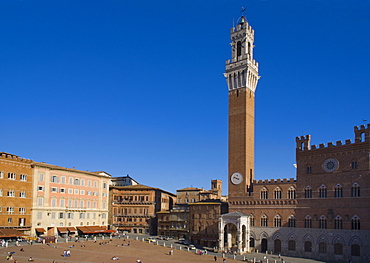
362, 134
274, 181
4, 155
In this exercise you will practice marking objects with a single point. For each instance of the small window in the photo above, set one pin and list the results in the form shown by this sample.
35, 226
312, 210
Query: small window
308, 222
41, 177
322, 191
277, 193
11, 193
291, 245
309, 170
354, 165
264, 193
22, 194
54, 189
11, 176
40, 188
23, 177
54, 179
61, 215
308, 192
62, 190
355, 190
338, 191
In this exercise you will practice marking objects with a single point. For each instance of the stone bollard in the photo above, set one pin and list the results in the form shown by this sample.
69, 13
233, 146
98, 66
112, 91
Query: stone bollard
67, 240
244, 258
102, 237
257, 251
43, 241
267, 260
142, 239
188, 249
164, 244
171, 246
254, 260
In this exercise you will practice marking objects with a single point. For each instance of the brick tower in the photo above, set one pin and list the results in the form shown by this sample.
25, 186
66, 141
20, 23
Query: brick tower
242, 77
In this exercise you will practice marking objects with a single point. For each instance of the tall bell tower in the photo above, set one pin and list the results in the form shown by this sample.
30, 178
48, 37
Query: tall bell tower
242, 77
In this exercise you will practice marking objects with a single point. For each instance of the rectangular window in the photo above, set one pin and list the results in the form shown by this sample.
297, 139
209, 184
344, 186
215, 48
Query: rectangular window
104, 185
1, 175
95, 184
69, 203
62, 202
63, 179
88, 192
83, 182
52, 215
62, 190
39, 215
23, 177
11, 193
70, 215
77, 181
53, 202
10, 210
70, 180
76, 191
82, 203
54, 190
89, 183
22, 194
54, 179
61, 215
104, 194
40, 201
1, 192
11, 176
10, 220
22, 210
41, 177
82, 216
70, 191
76, 203
82, 192
40, 188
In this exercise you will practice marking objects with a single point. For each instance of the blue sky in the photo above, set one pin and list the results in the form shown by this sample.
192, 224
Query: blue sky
137, 87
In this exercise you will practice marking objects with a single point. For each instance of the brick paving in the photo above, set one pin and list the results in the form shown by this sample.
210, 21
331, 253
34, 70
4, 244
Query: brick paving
93, 252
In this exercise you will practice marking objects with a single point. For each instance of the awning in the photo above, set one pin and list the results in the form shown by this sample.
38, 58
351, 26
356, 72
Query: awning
41, 230
93, 229
10, 233
71, 229
62, 230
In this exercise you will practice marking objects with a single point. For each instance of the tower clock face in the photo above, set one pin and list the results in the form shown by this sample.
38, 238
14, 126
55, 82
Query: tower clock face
330, 165
236, 178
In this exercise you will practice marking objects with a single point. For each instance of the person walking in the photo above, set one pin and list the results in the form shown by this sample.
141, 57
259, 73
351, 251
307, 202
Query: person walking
215, 258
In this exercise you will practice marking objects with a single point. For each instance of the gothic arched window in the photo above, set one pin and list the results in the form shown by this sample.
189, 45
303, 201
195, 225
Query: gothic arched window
308, 192
291, 193
338, 222
277, 193
264, 193
338, 191
277, 221
355, 190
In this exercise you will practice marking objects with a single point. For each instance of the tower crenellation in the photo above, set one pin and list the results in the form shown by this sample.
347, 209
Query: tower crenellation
362, 133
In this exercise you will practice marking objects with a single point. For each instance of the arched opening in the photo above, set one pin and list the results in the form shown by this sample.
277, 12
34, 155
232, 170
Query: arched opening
230, 236
322, 247
264, 244
251, 242
308, 246
355, 250
277, 246
238, 48
338, 249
